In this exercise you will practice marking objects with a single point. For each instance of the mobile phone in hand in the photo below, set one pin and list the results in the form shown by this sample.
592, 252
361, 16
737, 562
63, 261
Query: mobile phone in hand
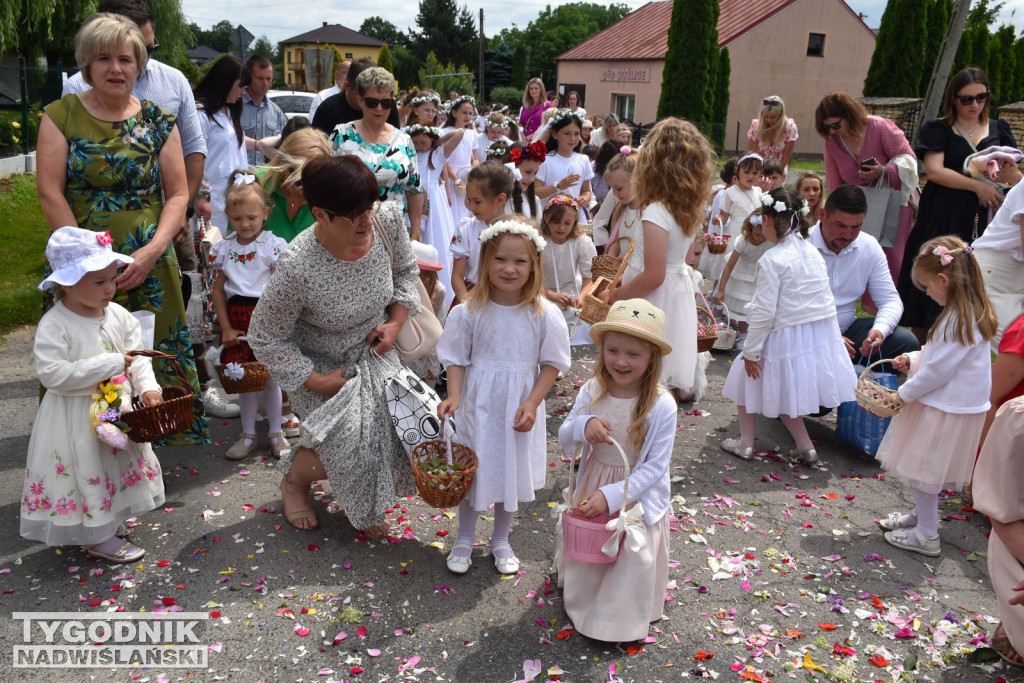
866, 164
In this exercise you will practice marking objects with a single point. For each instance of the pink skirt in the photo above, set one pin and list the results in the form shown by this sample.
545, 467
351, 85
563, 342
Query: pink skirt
931, 449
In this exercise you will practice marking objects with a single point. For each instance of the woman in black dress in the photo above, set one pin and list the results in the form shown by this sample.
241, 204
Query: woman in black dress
952, 203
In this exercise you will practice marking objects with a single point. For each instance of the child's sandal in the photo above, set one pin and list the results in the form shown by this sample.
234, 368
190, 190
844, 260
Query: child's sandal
116, 550
913, 540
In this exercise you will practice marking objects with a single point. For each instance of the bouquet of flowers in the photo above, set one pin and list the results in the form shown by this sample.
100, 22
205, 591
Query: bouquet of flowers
105, 414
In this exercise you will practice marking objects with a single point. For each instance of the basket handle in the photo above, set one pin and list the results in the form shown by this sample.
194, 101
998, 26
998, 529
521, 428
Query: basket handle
721, 227
877, 362
708, 309
622, 267
728, 317
160, 355
219, 349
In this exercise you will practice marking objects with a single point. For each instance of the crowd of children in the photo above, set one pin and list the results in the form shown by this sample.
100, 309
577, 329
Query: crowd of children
506, 258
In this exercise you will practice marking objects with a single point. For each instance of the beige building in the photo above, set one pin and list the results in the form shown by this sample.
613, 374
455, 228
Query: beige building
796, 49
349, 44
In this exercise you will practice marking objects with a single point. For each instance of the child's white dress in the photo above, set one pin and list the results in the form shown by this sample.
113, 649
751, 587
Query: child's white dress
466, 245
616, 602
738, 204
556, 167
502, 349
793, 331
461, 162
673, 297
438, 226
933, 441
739, 290
566, 265
76, 490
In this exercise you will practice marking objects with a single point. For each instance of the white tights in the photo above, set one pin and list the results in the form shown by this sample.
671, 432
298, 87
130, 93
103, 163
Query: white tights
467, 531
249, 403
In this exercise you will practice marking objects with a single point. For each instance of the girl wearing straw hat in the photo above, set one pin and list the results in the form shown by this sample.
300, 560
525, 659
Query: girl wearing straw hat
623, 401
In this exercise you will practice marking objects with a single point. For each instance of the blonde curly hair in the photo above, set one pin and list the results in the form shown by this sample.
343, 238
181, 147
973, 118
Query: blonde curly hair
674, 167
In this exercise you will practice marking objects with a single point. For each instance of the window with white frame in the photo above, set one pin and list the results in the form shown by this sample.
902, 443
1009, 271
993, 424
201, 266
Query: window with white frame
624, 106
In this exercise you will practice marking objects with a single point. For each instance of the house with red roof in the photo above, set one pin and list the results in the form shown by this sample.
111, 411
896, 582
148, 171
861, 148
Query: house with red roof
798, 50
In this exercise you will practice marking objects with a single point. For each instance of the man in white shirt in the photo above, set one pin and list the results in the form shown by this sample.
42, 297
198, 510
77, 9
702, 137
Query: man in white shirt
856, 264
339, 85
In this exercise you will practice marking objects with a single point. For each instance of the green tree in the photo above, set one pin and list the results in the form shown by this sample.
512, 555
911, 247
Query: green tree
720, 109
445, 30
445, 80
264, 47
406, 66
384, 58
937, 19
1017, 93
557, 30
1002, 63
519, 67
217, 37
172, 30
898, 60
498, 67
973, 50
382, 29
686, 90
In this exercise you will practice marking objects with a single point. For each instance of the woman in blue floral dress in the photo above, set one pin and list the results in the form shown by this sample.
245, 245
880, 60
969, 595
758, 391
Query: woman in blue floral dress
109, 162
385, 150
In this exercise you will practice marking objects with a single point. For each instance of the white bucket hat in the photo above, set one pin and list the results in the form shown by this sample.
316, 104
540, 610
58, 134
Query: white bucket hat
426, 256
73, 252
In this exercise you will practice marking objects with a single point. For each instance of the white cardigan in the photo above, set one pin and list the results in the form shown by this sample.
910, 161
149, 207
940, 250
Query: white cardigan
950, 376
790, 288
649, 479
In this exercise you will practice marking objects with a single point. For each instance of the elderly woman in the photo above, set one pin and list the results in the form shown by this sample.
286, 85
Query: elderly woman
386, 150
108, 162
853, 137
773, 134
338, 297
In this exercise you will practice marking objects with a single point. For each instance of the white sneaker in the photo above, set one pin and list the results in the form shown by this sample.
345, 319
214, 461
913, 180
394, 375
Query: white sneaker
214, 405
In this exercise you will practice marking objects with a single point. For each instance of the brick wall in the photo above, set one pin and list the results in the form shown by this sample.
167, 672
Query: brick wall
1014, 115
903, 111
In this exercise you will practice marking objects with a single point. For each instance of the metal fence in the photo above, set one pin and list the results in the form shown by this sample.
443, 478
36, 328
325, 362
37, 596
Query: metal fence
24, 90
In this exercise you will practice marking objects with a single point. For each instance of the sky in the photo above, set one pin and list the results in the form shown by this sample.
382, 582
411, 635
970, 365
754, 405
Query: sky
285, 18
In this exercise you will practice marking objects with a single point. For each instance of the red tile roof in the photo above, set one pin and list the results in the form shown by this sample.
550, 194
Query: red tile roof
643, 34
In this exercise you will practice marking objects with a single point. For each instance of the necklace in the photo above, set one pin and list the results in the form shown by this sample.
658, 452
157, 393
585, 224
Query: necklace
973, 131
626, 222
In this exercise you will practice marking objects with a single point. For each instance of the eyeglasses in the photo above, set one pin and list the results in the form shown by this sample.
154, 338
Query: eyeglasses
368, 214
771, 103
373, 102
150, 49
297, 182
980, 98
835, 126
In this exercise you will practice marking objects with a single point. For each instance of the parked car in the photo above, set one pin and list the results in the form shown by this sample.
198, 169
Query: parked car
292, 102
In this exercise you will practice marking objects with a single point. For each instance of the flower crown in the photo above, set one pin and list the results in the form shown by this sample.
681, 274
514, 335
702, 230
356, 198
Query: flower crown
780, 206
500, 125
536, 151
562, 115
461, 100
496, 150
946, 256
514, 227
562, 199
417, 129
423, 99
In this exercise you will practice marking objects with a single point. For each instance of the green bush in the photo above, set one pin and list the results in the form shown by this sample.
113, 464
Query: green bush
13, 134
513, 97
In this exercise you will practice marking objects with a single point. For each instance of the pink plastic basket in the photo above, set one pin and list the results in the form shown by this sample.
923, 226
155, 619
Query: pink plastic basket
582, 538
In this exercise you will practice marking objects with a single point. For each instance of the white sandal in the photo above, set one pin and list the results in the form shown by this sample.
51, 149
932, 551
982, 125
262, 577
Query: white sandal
895, 520
458, 564
508, 565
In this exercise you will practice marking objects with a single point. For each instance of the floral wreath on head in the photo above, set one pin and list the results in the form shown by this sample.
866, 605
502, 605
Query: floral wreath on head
562, 115
495, 124
535, 151
514, 227
418, 129
461, 100
562, 199
780, 206
497, 150
424, 99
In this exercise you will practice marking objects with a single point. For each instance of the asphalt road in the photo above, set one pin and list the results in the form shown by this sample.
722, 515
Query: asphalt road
778, 572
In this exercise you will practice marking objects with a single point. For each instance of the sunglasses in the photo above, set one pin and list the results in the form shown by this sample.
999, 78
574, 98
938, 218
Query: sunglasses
770, 103
834, 126
297, 183
980, 98
150, 49
373, 102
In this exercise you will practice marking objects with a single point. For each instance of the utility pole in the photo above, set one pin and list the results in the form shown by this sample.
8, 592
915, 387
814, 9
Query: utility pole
481, 68
943, 64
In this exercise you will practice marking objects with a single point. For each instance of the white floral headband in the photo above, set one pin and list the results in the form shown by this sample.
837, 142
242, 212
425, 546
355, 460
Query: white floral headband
498, 125
562, 116
780, 206
424, 99
461, 100
514, 228
417, 129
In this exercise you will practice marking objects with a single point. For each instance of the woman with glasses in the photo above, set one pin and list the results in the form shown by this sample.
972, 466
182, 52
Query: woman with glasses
953, 203
385, 150
338, 297
865, 150
772, 134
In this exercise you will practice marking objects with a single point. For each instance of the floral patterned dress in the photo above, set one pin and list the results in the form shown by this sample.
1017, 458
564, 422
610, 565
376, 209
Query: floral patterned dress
77, 490
113, 183
394, 162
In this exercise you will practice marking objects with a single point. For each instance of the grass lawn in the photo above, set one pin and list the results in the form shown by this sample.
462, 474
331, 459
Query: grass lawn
23, 235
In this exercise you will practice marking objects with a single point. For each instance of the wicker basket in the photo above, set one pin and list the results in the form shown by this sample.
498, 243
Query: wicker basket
726, 334
444, 490
605, 265
716, 242
174, 414
707, 330
874, 398
582, 537
254, 377
595, 310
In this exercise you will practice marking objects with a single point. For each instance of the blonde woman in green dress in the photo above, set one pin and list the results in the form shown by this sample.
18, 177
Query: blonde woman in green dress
110, 162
